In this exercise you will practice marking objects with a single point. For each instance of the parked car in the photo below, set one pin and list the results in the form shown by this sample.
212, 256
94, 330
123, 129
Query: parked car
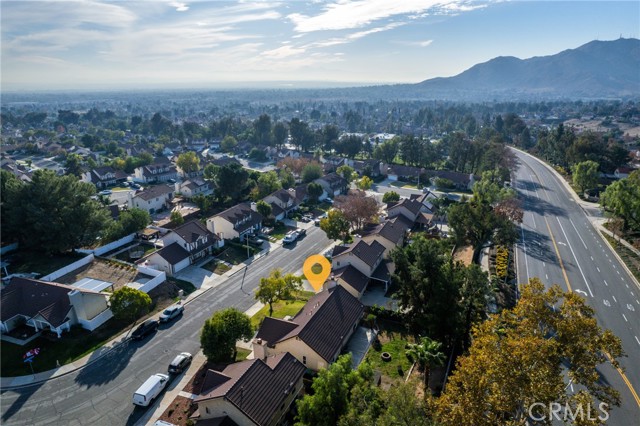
180, 363
105, 192
171, 312
290, 237
316, 222
329, 200
255, 240
171, 181
301, 232
147, 327
150, 389
305, 219
136, 185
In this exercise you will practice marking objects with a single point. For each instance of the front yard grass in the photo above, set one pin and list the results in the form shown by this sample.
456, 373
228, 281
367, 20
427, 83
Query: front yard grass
279, 231
235, 254
393, 338
216, 267
282, 308
71, 346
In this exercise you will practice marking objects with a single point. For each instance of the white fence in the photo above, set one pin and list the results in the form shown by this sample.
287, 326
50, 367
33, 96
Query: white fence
72, 267
111, 246
96, 321
158, 278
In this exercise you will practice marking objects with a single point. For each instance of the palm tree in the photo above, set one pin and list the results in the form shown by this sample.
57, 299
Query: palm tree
426, 354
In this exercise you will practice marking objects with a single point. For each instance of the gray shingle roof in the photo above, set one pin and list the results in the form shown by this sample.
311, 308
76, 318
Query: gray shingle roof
258, 388
352, 276
368, 253
191, 231
240, 212
173, 253
154, 192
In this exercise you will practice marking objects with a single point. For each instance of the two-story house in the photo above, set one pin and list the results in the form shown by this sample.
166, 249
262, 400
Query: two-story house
365, 257
406, 207
390, 233
317, 334
191, 188
152, 199
103, 177
333, 185
235, 222
257, 392
184, 246
160, 171
282, 202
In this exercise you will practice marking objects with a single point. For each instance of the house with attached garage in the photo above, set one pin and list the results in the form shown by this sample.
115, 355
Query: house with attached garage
317, 334
184, 246
236, 222
258, 392
103, 177
153, 198
333, 185
51, 306
282, 202
390, 234
162, 170
192, 187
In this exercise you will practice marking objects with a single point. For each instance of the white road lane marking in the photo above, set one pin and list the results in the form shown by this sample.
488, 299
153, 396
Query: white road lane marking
605, 283
575, 257
524, 249
606, 302
546, 276
574, 227
591, 258
625, 318
630, 307
614, 299
637, 340
598, 269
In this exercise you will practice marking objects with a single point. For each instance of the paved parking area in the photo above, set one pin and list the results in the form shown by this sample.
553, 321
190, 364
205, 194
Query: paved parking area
196, 275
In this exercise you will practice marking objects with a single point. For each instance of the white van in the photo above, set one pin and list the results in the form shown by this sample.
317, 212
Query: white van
150, 389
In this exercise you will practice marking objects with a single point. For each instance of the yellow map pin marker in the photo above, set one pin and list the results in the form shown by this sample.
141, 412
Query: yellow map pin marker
316, 278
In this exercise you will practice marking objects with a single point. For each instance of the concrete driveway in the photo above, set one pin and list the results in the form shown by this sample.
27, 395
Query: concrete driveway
359, 344
196, 275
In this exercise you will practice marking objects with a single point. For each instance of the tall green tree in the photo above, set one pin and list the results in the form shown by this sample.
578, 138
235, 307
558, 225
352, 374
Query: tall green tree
387, 151
188, 162
585, 175
267, 183
346, 172
391, 197
314, 191
364, 183
129, 304
73, 165
287, 180
264, 208
221, 332
335, 225
228, 143
54, 214
311, 172
277, 287
622, 198
231, 180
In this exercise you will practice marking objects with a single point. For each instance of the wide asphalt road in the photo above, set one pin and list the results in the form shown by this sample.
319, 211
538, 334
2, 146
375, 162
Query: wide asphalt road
557, 239
100, 394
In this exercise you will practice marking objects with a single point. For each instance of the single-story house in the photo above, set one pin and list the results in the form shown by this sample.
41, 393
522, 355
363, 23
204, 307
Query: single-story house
462, 181
51, 306
317, 334
257, 392
170, 259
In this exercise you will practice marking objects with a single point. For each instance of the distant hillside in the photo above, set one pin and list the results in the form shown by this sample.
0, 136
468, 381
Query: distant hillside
595, 70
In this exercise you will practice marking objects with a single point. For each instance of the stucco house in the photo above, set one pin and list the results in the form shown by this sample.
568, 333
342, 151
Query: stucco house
317, 334
103, 177
406, 207
152, 199
333, 185
235, 222
254, 392
389, 233
282, 202
51, 306
192, 187
162, 170
363, 256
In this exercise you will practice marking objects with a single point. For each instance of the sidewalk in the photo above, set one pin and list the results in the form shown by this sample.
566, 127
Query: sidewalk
7, 383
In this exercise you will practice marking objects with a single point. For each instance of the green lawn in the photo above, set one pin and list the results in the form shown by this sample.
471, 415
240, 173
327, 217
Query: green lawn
282, 308
26, 261
216, 267
279, 231
242, 354
234, 254
394, 339
185, 286
72, 346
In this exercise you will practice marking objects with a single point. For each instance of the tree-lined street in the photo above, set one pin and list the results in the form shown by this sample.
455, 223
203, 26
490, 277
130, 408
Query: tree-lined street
559, 245
100, 394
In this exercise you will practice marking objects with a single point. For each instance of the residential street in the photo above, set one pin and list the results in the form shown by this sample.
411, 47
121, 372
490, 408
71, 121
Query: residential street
100, 394
555, 226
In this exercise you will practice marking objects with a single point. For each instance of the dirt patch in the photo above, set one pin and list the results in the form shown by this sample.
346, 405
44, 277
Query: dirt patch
179, 411
118, 274
464, 255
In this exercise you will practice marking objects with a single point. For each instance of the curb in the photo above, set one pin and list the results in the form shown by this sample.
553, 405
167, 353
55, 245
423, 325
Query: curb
186, 302
615, 253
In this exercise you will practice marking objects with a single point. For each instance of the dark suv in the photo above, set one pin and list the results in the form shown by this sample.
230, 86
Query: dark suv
147, 327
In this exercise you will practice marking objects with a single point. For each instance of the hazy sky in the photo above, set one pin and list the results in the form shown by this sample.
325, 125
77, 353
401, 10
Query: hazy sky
99, 44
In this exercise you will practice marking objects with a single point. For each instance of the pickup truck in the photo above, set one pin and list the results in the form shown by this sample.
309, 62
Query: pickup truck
290, 237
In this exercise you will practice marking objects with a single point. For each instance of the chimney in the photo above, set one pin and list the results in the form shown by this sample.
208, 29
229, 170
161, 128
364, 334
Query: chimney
259, 347
254, 206
330, 283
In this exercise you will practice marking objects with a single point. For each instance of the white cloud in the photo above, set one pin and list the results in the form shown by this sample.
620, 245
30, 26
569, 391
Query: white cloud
354, 36
180, 7
423, 43
283, 52
347, 14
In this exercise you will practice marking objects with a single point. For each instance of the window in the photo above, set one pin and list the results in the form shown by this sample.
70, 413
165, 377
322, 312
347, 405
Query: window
304, 360
207, 409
